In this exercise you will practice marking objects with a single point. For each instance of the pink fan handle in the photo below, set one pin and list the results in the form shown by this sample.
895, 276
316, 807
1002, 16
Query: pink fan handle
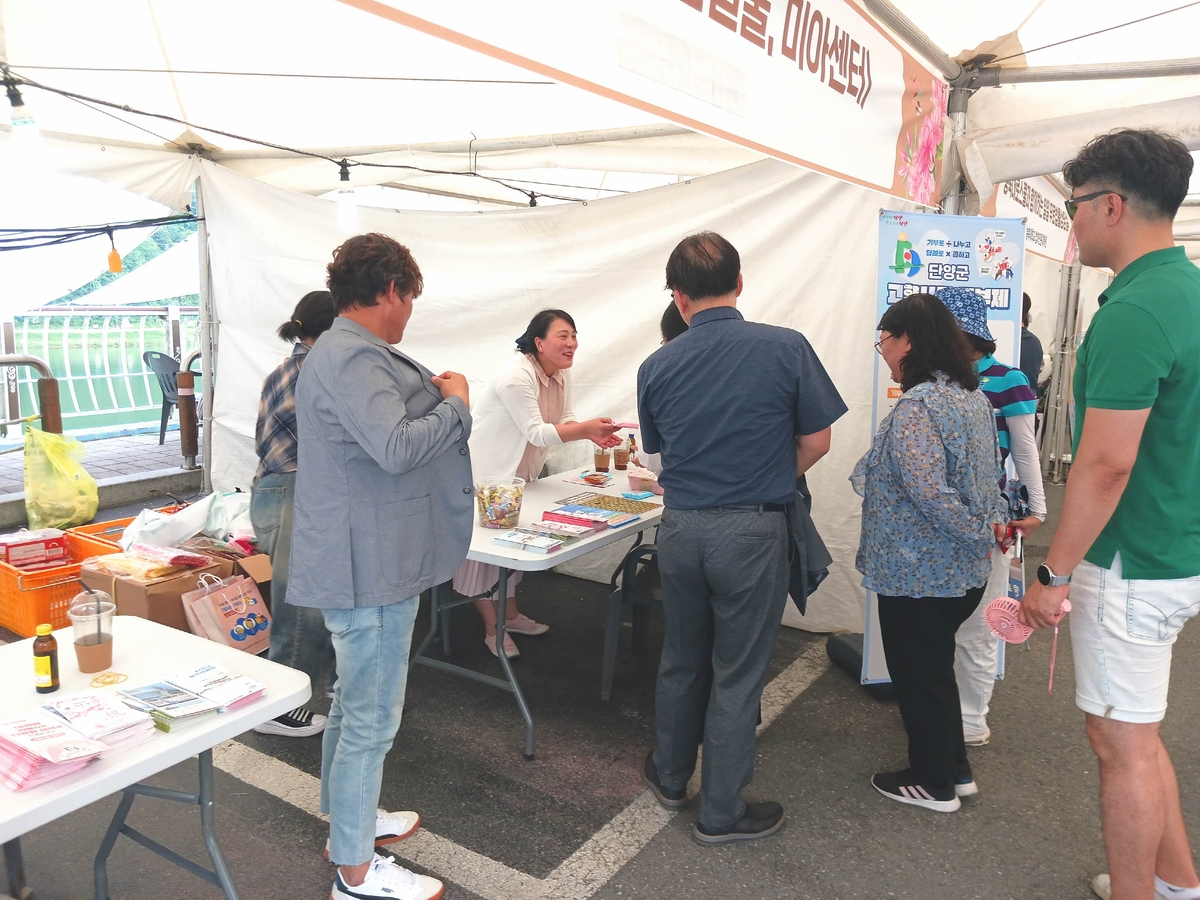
625, 424
1062, 611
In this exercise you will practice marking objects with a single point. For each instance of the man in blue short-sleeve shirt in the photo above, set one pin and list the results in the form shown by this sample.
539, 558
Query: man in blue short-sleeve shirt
738, 410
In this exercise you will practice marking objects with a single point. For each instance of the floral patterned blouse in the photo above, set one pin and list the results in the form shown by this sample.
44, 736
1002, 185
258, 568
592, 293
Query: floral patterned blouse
930, 489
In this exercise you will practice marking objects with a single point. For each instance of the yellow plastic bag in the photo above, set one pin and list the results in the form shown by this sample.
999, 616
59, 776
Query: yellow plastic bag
59, 492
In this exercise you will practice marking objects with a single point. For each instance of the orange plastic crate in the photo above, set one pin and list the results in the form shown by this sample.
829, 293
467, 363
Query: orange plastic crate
29, 599
110, 532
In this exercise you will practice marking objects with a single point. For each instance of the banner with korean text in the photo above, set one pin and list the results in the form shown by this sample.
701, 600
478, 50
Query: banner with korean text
813, 82
920, 253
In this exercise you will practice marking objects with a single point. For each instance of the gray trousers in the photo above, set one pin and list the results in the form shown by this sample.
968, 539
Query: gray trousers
724, 579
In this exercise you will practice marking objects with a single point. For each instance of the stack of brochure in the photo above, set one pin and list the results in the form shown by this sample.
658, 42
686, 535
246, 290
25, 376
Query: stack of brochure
218, 685
524, 540
574, 514
100, 716
40, 747
559, 530
169, 706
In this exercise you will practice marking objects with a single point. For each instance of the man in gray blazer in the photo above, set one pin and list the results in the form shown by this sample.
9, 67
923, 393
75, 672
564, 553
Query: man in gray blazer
383, 512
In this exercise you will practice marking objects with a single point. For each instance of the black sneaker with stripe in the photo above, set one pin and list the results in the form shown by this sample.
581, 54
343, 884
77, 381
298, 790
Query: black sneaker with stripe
903, 787
300, 722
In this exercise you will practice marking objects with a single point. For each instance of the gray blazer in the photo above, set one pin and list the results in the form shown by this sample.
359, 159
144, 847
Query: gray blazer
383, 477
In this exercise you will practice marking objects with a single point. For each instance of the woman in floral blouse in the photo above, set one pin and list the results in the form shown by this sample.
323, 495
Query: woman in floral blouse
932, 511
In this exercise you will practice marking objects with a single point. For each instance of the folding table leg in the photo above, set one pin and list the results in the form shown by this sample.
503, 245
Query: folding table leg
15, 864
208, 826
100, 866
501, 614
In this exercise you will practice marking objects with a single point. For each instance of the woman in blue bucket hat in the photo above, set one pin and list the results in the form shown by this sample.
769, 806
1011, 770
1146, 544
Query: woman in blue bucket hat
1014, 403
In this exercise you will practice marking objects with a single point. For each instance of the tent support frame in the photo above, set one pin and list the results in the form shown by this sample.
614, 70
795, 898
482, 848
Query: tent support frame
207, 336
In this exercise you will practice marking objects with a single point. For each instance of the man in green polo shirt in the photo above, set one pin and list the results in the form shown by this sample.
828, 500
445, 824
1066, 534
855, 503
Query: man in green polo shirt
1128, 545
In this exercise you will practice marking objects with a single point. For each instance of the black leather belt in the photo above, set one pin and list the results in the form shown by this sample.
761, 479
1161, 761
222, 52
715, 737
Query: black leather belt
758, 507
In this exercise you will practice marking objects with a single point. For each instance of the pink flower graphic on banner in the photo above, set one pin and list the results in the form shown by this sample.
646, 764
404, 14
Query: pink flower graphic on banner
919, 158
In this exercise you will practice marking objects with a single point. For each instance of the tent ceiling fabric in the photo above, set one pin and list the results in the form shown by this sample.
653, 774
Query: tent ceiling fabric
329, 38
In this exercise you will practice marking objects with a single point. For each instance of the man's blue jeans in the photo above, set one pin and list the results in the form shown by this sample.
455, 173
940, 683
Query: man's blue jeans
299, 638
372, 644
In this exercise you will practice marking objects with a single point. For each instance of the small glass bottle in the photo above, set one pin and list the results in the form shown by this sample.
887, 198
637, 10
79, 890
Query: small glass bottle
45, 661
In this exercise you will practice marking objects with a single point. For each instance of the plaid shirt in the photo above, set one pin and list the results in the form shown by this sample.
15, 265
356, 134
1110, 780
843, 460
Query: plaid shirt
275, 434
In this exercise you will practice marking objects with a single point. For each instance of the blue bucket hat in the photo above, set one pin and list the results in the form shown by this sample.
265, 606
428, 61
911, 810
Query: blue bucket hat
969, 308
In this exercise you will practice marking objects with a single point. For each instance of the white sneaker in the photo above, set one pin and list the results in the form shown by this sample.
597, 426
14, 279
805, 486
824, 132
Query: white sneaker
1102, 886
977, 738
390, 827
387, 881
522, 624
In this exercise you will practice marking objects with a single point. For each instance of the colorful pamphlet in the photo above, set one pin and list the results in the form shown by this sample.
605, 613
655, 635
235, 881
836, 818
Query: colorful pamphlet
218, 685
40, 747
101, 716
171, 707
523, 540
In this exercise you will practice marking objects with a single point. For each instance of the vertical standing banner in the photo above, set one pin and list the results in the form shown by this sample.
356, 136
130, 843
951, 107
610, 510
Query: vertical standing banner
919, 253
814, 82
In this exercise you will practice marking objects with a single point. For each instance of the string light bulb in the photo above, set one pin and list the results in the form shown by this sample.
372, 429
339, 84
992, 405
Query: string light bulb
347, 209
114, 258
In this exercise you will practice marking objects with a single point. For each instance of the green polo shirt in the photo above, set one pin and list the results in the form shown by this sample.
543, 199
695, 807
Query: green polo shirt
1142, 351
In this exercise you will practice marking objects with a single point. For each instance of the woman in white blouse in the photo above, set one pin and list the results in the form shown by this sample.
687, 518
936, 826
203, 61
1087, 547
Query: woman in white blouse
521, 414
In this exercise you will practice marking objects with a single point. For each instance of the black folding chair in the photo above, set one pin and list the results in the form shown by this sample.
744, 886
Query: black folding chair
166, 368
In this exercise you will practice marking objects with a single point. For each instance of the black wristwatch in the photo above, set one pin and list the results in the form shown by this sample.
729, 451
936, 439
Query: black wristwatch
1046, 576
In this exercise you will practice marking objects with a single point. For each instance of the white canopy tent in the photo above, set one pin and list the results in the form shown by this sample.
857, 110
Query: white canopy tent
324, 77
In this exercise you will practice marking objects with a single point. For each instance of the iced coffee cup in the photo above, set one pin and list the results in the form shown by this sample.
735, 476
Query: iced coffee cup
601, 458
91, 615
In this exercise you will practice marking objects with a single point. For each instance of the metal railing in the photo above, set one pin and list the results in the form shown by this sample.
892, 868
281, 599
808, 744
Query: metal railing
96, 355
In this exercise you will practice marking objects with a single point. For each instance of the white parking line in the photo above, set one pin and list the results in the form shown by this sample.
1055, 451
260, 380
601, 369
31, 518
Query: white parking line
581, 874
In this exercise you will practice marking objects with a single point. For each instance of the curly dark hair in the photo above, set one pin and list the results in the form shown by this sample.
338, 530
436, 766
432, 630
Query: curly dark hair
703, 266
366, 265
938, 343
1150, 167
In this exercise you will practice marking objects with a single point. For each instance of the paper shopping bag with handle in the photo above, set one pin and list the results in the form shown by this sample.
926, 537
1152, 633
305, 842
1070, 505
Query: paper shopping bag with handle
230, 612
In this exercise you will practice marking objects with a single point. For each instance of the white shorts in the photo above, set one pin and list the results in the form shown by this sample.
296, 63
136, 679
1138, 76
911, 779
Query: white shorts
1121, 634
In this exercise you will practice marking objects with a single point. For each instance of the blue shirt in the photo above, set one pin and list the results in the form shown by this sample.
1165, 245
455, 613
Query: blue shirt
724, 402
930, 492
1031, 356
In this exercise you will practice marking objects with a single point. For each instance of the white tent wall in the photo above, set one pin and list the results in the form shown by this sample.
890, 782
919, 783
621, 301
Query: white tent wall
805, 261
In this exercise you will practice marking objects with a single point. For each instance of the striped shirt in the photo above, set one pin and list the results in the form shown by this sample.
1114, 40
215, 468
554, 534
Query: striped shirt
1010, 394
275, 433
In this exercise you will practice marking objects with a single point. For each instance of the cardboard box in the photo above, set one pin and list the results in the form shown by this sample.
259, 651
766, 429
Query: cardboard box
258, 569
158, 601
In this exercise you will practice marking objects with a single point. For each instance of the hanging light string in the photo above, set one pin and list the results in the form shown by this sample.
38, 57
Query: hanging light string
30, 238
1094, 33
532, 195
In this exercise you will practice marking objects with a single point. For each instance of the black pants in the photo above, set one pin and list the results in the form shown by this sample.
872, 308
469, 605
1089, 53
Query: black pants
918, 641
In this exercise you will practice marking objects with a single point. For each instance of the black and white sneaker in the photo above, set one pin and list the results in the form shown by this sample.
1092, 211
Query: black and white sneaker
387, 881
903, 787
300, 722
964, 781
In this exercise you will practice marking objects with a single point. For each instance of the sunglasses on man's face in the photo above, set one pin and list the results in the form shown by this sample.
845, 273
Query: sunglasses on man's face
1073, 204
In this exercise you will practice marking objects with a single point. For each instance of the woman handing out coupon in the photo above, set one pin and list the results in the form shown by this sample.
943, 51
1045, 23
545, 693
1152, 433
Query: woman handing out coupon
521, 414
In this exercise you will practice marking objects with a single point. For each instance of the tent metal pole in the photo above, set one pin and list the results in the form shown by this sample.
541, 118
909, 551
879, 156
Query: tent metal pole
993, 77
916, 38
1060, 436
1050, 426
208, 335
956, 107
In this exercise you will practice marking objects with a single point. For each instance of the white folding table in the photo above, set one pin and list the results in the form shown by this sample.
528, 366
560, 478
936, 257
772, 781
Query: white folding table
146, 652
541, 495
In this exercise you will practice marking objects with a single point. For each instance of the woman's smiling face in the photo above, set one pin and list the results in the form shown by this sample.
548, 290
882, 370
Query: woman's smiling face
557, 349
